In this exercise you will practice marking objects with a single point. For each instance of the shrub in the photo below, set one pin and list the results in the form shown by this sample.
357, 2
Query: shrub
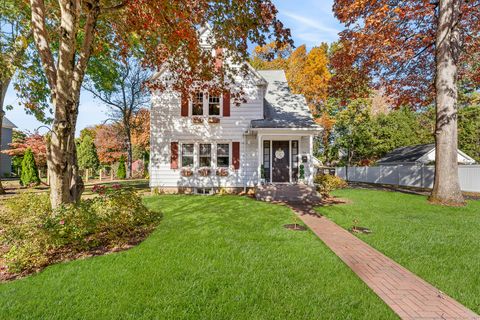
35, 235
122, 171
327, 183
29, 175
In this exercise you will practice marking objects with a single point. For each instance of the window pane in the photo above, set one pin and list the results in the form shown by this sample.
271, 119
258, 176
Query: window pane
205, 155
187, 161
223, 150
187, 149
197, 104
187, 155
214, 105
205, 150
223, 155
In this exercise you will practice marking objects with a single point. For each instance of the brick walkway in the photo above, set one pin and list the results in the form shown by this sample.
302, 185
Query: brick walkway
408, 295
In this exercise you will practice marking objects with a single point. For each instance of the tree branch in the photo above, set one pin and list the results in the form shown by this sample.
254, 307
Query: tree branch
87, 44
42, 42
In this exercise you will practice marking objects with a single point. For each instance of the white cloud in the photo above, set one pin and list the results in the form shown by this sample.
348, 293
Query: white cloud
307, 22
309, 30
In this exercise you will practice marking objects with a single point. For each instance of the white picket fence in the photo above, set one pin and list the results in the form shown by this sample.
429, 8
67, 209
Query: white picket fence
410, 175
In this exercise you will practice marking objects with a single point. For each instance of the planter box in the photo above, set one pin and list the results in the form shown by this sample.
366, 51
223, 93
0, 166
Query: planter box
186, 173
197, 120
213, 120
204, 172
222, 172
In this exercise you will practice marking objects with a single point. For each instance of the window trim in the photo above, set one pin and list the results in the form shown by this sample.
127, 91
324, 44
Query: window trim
206, 108
196, 153
229, 154
181, 155
199, 155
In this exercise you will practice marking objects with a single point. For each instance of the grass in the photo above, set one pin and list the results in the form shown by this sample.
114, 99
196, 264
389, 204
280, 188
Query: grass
219, 257
440, 244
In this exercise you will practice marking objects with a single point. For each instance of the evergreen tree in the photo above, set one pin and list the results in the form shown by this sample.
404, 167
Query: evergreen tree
122, 171
29, 174
87, 153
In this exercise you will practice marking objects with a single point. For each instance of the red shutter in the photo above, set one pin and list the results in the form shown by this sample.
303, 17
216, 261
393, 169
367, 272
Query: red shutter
184, 105
218, 59
174, 155
226, 104
236, 155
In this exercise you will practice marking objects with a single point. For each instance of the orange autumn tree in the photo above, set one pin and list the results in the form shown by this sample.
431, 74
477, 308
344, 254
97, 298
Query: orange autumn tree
296, 66
416, 50
316, 77
271, 56
67, 33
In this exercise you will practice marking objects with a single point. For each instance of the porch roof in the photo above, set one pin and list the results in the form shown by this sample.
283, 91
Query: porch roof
282, 108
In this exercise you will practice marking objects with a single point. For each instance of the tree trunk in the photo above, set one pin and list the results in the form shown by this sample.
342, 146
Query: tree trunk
446, 188
3, 93
128, 135
66, 185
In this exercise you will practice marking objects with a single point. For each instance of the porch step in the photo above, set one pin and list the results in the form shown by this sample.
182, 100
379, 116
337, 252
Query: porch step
292, 193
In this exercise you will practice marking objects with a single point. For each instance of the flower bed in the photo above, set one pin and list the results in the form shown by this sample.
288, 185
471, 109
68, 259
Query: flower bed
34, 236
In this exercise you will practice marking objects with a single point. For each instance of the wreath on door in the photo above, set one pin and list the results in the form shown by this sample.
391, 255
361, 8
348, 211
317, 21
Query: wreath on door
279, 154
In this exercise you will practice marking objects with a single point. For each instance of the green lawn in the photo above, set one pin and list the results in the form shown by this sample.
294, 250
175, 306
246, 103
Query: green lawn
219, 257
440, 244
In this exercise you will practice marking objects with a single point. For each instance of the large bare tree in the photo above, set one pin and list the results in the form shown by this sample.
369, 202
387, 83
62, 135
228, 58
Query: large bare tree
120, 85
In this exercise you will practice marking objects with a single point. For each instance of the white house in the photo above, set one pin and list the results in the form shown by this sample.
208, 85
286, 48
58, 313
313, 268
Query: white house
6, 160
203, 143
418, 154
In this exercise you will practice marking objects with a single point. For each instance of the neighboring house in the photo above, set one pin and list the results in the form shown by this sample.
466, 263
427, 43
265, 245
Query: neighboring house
419, 154
206, 142
6, 160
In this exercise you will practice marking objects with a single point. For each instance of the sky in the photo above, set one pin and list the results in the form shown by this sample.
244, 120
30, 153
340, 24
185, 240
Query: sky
311, 23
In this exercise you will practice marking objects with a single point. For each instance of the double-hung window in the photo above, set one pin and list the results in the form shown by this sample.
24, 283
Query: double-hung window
223, 155
213, 105
205, 155
197, 104
187, 155
206, 104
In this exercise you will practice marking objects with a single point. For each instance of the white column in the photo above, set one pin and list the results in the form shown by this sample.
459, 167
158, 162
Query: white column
310, 163
260, 159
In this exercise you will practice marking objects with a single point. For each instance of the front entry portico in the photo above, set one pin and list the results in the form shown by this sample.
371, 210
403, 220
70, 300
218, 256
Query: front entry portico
282, 154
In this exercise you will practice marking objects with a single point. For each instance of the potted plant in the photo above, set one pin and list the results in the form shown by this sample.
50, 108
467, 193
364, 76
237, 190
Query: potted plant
301, 174
222, 172
186, 172
204, 172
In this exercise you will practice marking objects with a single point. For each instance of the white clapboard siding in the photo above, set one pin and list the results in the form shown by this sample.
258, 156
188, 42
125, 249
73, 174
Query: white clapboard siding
168, 125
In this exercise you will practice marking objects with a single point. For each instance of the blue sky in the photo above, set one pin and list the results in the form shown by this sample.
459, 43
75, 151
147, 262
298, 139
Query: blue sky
311, 22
